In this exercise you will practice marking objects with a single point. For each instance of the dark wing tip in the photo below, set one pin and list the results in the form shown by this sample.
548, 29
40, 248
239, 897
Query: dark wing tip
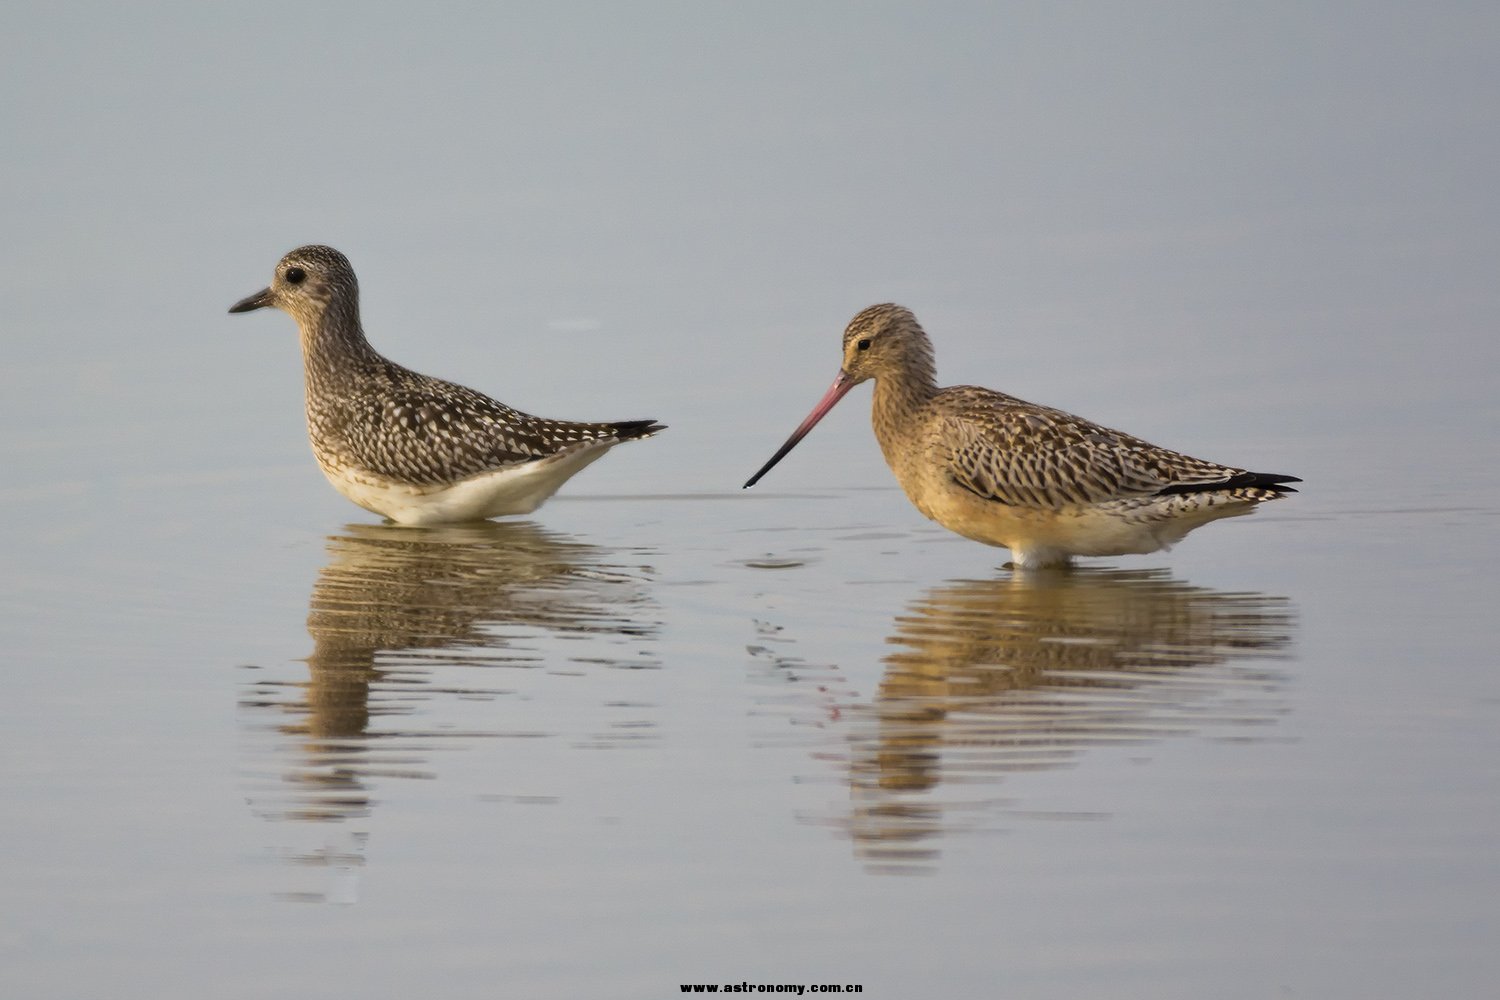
1270, 481
630, 430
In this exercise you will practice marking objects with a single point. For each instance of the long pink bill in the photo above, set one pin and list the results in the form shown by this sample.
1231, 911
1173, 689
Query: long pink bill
841, 385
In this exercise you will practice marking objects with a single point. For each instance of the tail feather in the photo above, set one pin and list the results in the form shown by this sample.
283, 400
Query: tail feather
1269, 481
630, 430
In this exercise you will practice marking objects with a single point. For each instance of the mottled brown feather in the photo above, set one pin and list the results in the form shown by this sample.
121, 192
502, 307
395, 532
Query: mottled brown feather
1018, 453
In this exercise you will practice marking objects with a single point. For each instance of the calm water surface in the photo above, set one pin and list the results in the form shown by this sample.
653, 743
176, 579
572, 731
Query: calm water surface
651, 739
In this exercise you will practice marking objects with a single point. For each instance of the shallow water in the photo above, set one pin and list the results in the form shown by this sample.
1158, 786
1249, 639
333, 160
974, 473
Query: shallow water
668, 732
654, 741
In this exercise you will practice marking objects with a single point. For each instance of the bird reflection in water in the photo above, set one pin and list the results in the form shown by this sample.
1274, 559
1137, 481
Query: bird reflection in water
398, 616
1025, 673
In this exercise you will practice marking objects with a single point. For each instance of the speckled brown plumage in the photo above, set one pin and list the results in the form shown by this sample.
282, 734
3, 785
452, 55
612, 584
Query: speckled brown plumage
1044, 483
399, 442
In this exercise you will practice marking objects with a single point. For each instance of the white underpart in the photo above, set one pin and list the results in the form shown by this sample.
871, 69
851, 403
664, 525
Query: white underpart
517, 489
1108, 530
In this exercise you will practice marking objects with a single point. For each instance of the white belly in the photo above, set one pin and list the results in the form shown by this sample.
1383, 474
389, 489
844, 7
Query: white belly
518, 489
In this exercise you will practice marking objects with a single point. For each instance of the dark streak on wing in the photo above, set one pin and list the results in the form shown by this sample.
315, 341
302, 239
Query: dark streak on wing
1262, 480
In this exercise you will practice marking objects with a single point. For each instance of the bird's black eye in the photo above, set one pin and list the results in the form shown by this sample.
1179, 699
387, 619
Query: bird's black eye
863, 345
295, 275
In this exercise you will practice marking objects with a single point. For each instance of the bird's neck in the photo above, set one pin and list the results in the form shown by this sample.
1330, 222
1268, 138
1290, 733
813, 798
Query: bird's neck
899, 396
334, 345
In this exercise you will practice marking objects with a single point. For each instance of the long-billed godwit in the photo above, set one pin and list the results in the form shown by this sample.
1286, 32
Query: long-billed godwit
414, 448
1043, 483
